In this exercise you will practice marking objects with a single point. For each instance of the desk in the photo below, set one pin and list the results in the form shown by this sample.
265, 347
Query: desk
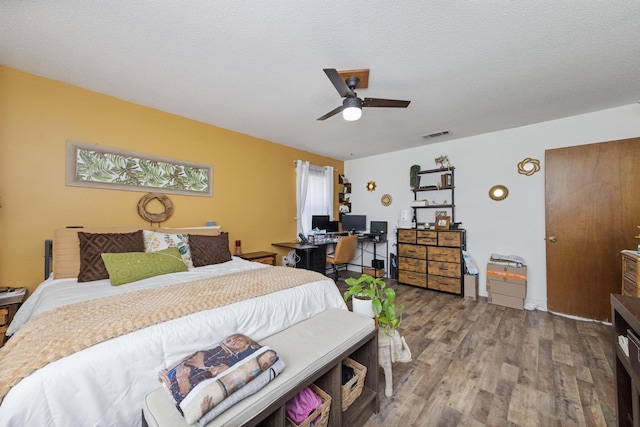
312, 257
369, 239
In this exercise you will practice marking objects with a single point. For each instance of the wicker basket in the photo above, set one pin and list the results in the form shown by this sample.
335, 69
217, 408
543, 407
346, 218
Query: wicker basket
322, 411
353, 388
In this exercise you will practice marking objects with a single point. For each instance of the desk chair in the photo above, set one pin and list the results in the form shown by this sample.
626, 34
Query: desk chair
345, 251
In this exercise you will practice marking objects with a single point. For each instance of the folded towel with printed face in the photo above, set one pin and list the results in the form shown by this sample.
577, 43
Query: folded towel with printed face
254, 386
203, 380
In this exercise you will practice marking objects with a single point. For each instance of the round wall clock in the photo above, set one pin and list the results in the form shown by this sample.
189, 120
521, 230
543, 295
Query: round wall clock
386, 199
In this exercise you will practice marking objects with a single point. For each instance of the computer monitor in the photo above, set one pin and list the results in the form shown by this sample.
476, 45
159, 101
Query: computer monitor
333, 227
352, 222
378, 227
320, 222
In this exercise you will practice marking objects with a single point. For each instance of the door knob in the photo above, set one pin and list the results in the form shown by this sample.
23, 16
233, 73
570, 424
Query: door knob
553, 239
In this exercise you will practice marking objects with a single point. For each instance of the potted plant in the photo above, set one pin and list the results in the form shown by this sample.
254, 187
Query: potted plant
374, 293
380, 301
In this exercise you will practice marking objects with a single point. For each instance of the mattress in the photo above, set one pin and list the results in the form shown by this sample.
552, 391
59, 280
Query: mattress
104, 385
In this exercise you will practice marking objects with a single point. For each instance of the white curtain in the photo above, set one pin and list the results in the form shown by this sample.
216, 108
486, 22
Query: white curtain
314, 193
302, 182
328, 191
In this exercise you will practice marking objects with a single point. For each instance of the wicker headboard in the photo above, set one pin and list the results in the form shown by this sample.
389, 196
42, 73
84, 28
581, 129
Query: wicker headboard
66, 245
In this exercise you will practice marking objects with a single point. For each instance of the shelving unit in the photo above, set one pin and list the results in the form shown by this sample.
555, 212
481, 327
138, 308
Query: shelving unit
431, 258
625, 314
445, 182
345, 192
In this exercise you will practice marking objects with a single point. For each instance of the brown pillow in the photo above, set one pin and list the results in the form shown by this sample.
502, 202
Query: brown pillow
208, 250
92, 245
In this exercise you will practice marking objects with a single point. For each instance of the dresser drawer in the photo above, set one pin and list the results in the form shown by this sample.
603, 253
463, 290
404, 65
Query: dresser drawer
449, 238
629, 268
446, 269
412, 278
412, 251
406, 236
437, 253
4, 316
446, 284
424, 237
266, 260
412, 264
629, 288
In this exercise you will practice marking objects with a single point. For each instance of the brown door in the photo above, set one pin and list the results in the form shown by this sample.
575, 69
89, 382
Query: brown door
592, 213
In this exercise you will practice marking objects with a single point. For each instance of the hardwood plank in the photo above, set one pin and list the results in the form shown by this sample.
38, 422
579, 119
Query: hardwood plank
477, 364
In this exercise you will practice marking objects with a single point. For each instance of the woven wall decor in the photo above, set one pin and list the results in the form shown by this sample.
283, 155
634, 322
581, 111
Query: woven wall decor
528, 166
155, 217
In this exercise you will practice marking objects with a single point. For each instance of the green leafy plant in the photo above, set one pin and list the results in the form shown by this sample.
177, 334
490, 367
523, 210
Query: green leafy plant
414, 179
382, 298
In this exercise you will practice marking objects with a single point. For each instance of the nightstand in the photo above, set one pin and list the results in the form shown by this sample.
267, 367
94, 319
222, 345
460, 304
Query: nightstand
10, 300
261, 257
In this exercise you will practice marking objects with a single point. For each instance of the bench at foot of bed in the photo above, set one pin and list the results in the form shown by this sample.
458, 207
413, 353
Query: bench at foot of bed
313, 351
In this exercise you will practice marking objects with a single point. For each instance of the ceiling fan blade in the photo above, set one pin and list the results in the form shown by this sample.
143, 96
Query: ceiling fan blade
389, 103
338, 82
331, 113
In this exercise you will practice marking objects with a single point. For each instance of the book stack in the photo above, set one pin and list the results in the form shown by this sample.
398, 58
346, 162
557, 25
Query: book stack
445, 180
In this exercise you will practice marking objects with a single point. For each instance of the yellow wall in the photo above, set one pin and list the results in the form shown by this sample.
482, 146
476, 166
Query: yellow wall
254, 180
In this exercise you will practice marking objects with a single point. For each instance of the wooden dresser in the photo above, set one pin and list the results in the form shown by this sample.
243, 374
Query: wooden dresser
432, 259
630, 273
10, 301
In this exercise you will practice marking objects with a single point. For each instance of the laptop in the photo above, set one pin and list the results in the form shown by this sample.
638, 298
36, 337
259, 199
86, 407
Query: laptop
378, 227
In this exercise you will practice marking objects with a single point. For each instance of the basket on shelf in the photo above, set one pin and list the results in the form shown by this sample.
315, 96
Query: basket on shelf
353, 388
322, 412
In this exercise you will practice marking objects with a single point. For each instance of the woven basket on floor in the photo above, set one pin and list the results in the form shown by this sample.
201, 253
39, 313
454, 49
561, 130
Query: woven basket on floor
353, 388
322, 413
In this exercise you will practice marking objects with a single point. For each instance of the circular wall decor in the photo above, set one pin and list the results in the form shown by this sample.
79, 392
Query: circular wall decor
155, 217
386, 199
498, 192
371, 186
528, 166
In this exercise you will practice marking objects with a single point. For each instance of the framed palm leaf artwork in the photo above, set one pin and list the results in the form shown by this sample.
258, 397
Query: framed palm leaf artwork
90, 165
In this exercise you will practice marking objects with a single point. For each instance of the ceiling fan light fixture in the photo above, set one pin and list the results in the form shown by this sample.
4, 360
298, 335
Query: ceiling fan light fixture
352, 109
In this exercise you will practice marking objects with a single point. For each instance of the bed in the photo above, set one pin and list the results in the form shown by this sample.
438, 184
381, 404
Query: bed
104, 384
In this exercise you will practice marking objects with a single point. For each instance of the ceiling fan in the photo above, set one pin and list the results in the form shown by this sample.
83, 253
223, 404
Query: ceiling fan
346, 83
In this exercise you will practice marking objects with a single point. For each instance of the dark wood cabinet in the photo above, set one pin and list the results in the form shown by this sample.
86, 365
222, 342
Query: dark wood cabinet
625, 314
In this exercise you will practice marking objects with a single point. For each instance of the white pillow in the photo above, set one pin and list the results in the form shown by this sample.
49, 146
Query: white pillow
154, 242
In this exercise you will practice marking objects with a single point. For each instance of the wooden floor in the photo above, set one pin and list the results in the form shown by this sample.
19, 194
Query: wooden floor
477, 364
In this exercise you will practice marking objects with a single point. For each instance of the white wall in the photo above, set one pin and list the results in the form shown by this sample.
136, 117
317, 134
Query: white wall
514, 226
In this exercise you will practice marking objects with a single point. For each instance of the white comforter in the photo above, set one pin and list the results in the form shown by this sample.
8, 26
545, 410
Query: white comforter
104, 385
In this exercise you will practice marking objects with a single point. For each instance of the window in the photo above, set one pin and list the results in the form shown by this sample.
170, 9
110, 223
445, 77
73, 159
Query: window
314, 193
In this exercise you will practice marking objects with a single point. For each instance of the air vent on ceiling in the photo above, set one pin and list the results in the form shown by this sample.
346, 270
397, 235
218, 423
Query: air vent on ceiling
433, 135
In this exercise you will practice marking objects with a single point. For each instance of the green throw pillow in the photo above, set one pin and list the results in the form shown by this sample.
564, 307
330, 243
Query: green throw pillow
129, 267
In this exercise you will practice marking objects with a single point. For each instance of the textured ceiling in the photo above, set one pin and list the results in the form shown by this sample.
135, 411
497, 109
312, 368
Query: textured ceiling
469, 67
